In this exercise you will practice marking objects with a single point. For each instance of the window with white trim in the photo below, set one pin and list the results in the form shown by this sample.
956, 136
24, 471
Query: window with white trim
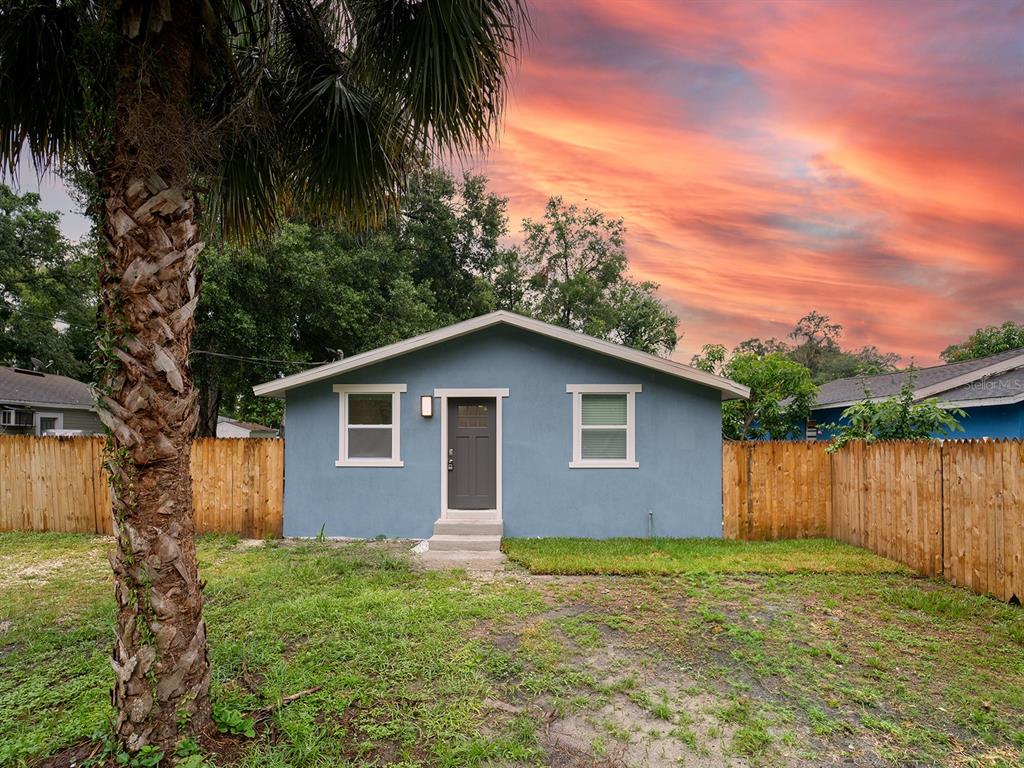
603, 425
369, 433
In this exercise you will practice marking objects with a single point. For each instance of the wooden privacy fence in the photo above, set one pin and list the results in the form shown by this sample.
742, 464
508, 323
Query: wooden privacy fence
57, 484
953, 508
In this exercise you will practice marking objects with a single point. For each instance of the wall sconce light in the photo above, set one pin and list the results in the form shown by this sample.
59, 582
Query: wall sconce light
426, 406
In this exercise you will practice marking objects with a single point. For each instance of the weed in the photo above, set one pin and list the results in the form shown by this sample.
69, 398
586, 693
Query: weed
231, 721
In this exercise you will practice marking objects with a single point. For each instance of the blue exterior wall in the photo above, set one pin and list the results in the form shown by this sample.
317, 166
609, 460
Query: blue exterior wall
678, 447
994, 421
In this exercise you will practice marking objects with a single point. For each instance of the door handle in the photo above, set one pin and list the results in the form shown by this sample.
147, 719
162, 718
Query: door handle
451, 459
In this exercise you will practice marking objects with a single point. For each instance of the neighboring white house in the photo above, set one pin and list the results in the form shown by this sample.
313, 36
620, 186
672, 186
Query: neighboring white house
232, 428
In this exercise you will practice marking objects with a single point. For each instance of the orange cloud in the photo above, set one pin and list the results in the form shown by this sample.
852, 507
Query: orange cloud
862, 159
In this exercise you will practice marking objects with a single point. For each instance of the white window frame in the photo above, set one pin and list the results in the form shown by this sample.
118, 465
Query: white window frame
577, 390
344, 390
40, 415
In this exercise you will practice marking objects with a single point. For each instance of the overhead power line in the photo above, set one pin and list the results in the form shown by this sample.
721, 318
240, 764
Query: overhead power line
209, 352
309, 363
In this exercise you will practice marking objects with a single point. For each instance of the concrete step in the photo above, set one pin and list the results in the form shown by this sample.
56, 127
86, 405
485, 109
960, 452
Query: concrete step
467, 527
466, 561
472, 515
463, 543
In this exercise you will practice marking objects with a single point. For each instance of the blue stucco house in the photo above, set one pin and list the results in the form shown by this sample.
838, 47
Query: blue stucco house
989, 389
503, 425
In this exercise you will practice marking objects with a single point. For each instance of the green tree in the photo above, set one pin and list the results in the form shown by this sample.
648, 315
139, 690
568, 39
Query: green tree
332, 294
895, 418
762, 346
340, 293
990, 340
781, 392
453, 231
815, 338
47, 290
817, 346
261, 106
571, 271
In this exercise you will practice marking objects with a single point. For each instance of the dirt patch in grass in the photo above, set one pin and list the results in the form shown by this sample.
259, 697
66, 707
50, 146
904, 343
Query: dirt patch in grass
714, 668
14, 574
787, 670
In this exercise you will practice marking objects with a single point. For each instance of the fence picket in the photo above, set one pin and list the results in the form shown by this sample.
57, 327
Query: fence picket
58, 484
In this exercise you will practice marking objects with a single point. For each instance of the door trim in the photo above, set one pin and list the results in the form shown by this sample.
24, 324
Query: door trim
444, 394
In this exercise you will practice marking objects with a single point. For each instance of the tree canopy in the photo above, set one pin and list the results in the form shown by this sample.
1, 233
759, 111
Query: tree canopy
816, 343
47, 290
781, 392
442, 256
990, 340
572, 270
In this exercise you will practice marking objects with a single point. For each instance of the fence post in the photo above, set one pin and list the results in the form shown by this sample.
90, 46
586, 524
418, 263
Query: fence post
749, 450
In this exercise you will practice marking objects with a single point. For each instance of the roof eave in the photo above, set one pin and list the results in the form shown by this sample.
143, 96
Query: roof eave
730, 389
43, 404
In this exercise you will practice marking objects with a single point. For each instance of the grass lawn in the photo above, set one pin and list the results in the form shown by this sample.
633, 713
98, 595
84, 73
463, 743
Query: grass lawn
666, 557
803, 654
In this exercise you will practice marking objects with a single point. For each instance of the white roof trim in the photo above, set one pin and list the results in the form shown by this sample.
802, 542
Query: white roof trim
982, 401
12, 403
989, 370
730, 389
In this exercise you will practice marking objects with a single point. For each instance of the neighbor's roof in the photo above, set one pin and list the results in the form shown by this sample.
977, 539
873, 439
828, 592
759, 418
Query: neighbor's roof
984, 379
19, 386
999, 389
252, 426
730, 389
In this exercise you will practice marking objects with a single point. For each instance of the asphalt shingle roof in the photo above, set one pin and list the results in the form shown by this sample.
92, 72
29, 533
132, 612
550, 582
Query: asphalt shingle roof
1006, 384
888, 384
21, 386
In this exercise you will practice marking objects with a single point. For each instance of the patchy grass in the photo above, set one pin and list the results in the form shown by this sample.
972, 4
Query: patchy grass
665, 557
718, 667
389, 647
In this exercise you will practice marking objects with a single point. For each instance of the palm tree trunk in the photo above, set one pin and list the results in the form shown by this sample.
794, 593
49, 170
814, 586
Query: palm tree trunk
149, 292
149, 288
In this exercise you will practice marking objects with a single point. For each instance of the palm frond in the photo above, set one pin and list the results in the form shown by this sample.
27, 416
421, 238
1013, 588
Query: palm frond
42, 96
346, 160
445, 60
244, 192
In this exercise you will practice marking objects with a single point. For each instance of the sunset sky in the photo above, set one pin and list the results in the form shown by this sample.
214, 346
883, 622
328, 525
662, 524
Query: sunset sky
862, 159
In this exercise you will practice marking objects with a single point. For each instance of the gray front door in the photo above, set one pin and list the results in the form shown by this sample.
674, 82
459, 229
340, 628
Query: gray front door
472, 453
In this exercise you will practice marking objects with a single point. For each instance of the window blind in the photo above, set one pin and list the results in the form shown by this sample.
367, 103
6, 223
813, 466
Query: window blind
603, 444
603, 410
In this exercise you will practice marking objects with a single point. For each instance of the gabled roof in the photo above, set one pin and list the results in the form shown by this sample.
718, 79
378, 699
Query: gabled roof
730, 389
19, 386
967, 378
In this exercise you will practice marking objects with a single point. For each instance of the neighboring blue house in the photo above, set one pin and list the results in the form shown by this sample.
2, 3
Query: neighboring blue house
990, 389
503, 424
